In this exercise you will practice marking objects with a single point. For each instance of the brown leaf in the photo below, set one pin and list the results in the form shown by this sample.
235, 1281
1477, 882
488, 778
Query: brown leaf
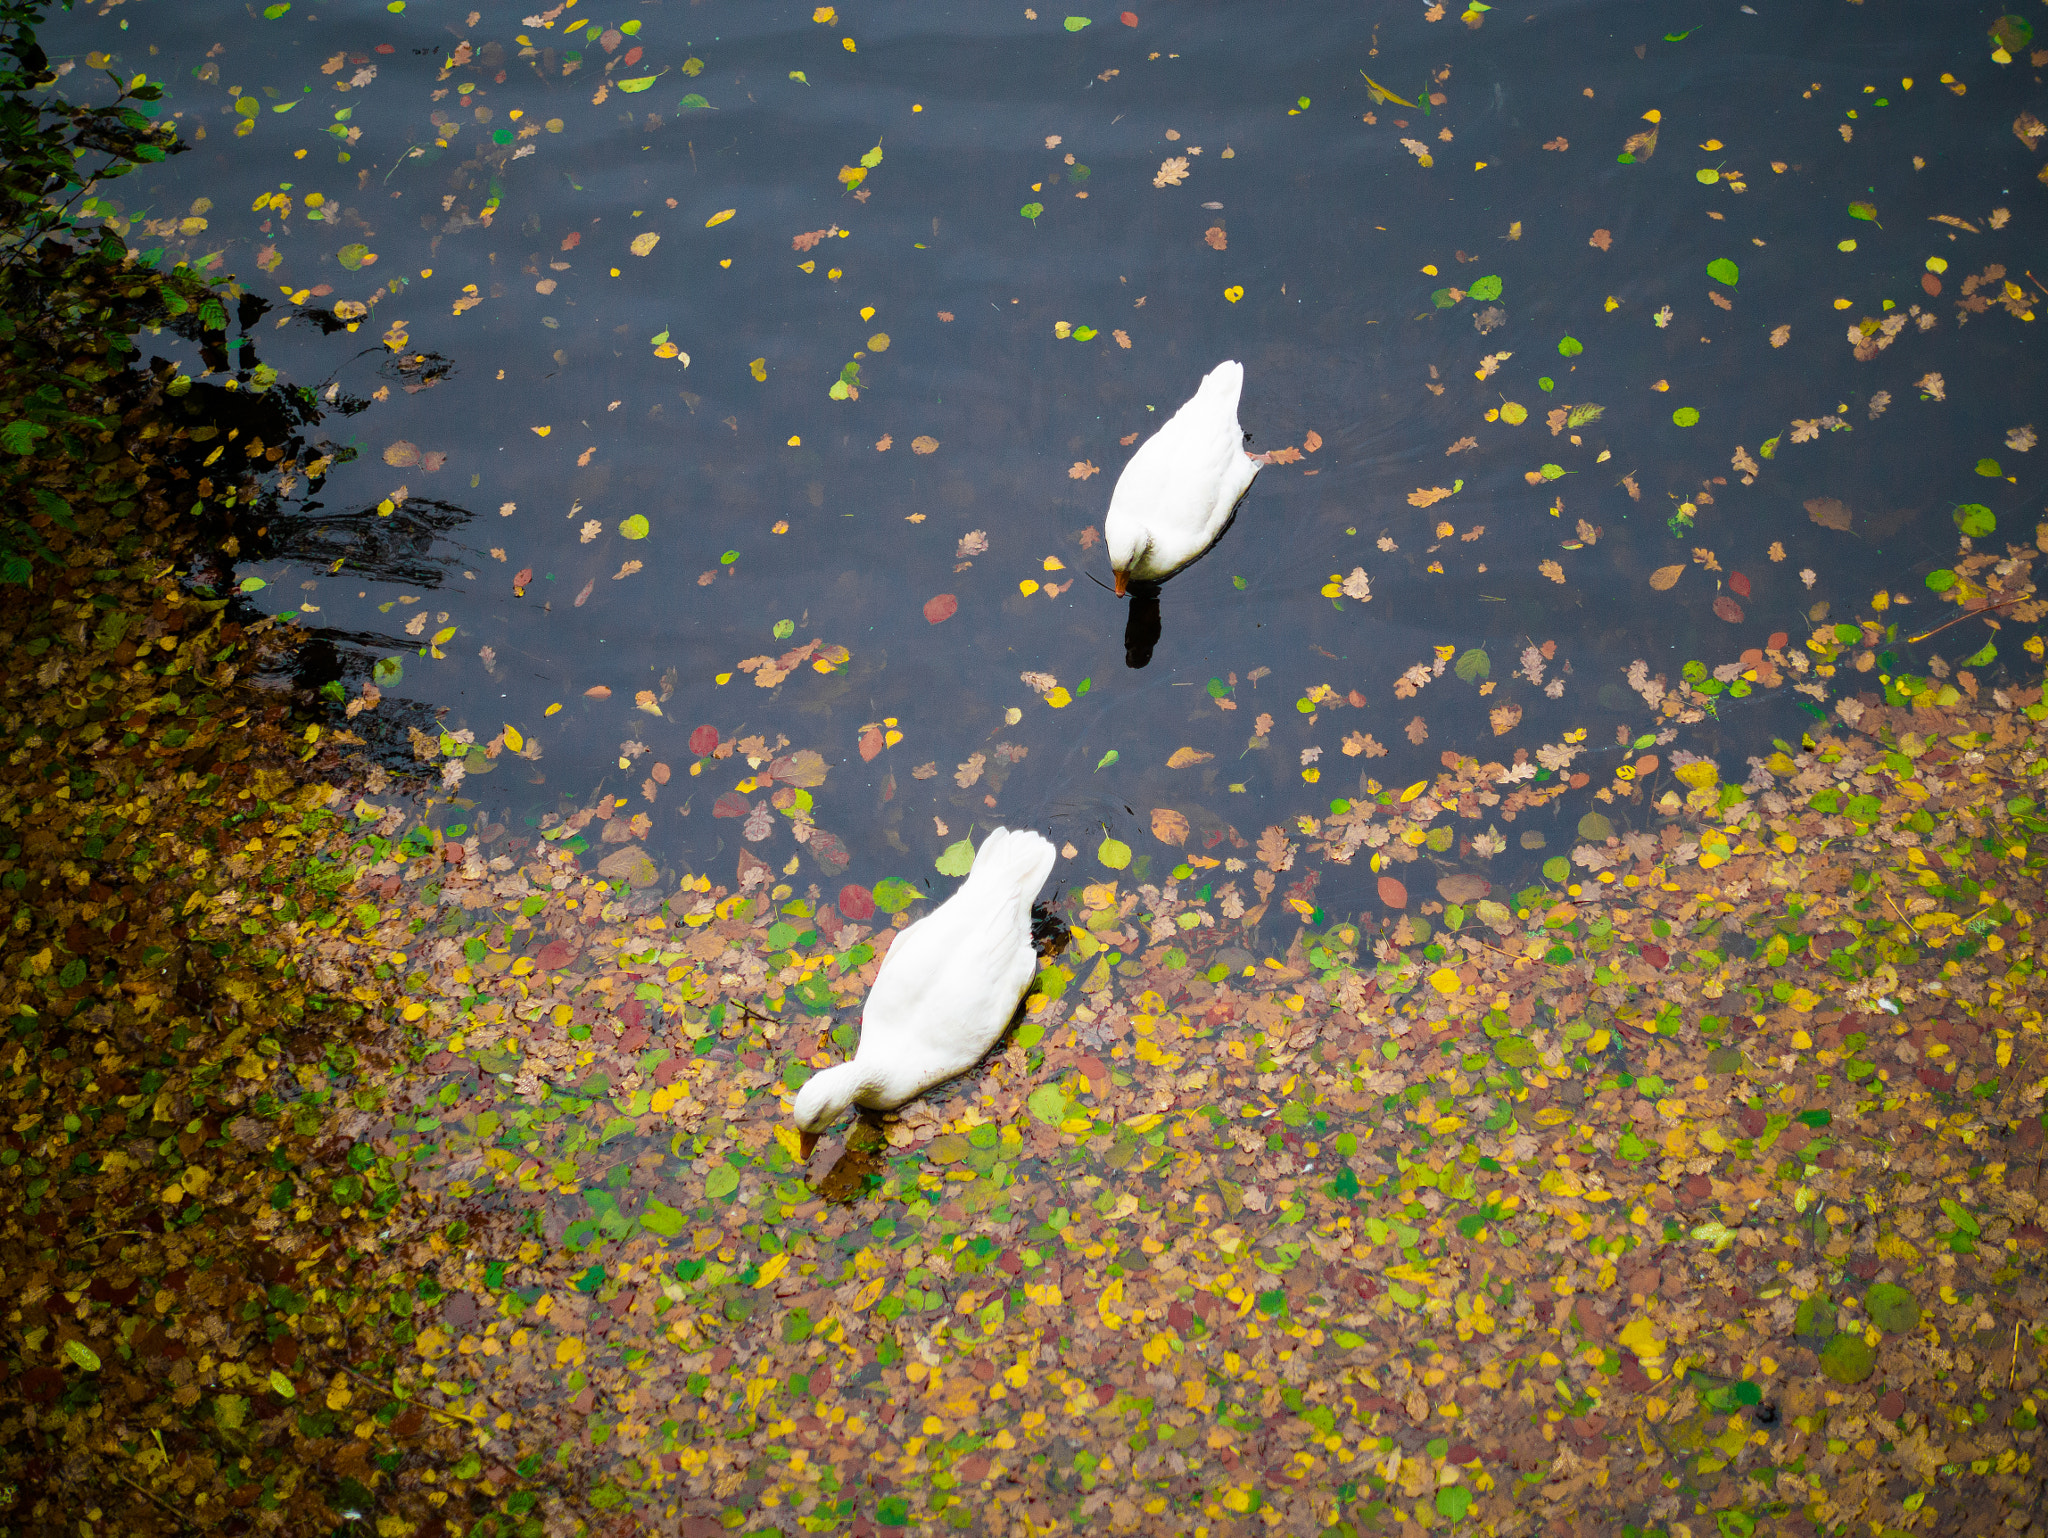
1664, 578
1428, 496
870, 744
1123, 338
1505, 718
1082, 469
1418, 732
1313, 441
1559, 144
1217, 239
882, 443
1727, 608
1551, 570
1362, 742
1169, 826
1184, 756
1463, 889
1829, 513
402, 453
598, 692
1286, 456
924, 443
1602, 238
1392, 893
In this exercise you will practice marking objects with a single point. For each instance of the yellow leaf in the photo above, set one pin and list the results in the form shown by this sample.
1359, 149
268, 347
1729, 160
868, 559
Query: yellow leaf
514, 740
1666, 577
1641, 1337
1184, 756
644, 242
720, 217
542, 432
773, 1267
1445, 981
1234, 293
569, 1350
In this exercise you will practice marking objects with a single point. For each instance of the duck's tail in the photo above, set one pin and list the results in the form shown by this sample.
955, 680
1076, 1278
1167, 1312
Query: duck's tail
1011, 866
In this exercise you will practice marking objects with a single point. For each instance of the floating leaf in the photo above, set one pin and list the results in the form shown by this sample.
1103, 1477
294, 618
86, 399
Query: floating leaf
83, 1355
634, 526
1975, 519
1848, 1359
941, 608
1076, 23
1032, 210
352, 256
693, 103
1114, 853
956, 859
1047, 1104
893, 894
1863, 211
1686, 416
644, 242
1891, 1308
386, 671
1570, 347
1664, 578
1473, 666
1392, 892
251, 585
720, 217
1485, 288
1721, 270
639, 84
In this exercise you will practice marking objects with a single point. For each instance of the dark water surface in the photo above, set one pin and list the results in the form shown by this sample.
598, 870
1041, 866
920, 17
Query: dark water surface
529, 403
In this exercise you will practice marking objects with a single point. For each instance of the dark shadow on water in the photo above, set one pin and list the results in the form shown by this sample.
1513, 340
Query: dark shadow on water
1141, 625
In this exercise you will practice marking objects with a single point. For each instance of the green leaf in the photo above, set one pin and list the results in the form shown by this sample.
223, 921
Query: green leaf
1076, 23
1959, 1215
386, 671
1989, 469
1032, 210
634, 527
872, 158
957, 859
1485, 288
1556, 868
1983, 657
1975, 519
251, 585
664, 1219
1686, 416
1453, 1501
1084, 333
1473, 666
83, 1355
1721, 270
1047, 1104
1940, 580
1633, 1148
1848, 1359
1570, 347
20, 437
272, 12
639, 84
1891, 1308
693, 103
351, 255
1863, 211
893, 894
721, 1182
1581, 415
1106, 760
1113, 853
281, 1386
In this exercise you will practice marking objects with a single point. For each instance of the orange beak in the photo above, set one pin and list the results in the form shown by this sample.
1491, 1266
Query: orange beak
1120, 583
806, 1142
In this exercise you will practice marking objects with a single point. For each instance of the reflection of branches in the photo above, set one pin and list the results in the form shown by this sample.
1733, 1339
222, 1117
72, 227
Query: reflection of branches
397, 548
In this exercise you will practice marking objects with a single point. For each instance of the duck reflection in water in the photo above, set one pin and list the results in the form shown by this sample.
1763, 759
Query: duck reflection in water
1141, 624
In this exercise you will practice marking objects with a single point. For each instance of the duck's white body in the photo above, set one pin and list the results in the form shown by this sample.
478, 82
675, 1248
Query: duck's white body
946, 989
1176, 496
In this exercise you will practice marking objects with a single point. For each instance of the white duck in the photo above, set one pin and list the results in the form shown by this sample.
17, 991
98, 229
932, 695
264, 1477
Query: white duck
945, 991
1176, 496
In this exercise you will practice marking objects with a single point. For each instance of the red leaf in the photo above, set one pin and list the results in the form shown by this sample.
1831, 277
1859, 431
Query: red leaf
829, 852
525, 576
731, 804
1739, 583
941, 608
704, 741
1776, 641
870, 743
1728, 609
572, 240
1657, 956
1129, 18
1392, 893
856, 902
554, 956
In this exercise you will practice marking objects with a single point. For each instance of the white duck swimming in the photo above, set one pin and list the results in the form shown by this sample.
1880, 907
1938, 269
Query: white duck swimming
945, 991
1176, 496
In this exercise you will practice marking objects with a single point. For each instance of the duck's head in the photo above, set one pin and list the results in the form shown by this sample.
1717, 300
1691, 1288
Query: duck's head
821, 1100
1126, 548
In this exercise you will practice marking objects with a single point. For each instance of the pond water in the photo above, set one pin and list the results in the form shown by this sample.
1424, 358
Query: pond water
618, 264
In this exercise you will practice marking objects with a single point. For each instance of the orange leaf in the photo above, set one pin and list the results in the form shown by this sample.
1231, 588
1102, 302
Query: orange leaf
1392, 893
